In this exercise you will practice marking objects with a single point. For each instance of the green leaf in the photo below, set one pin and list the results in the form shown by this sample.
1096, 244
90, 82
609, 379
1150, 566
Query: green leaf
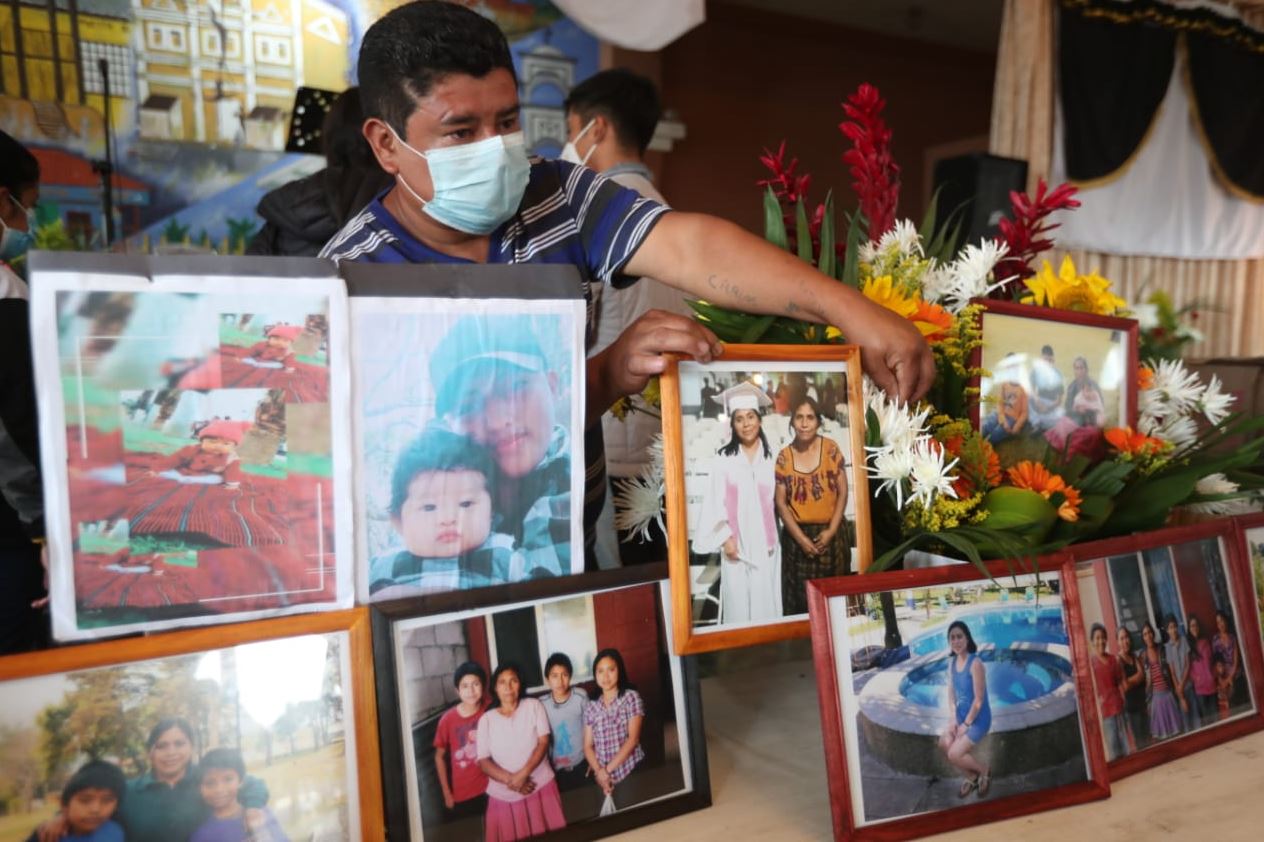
774, 222
802, 233
926, 231
1105, 478
757, 329
828, 261
851, 259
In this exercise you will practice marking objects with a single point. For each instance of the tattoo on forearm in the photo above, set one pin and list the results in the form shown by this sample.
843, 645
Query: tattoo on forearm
727, 287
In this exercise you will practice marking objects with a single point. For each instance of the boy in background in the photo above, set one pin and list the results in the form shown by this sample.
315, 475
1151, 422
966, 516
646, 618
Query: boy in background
89, 801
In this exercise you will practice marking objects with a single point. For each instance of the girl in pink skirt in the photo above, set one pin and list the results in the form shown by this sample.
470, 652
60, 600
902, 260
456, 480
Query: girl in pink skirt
513, 742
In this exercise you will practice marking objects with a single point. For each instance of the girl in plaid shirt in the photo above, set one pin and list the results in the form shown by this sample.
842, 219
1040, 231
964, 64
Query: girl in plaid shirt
612, 723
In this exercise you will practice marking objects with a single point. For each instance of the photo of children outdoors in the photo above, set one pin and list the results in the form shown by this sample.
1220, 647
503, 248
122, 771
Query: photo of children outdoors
1165, 644
533, 717
469, 419
771, 486
192, 489
246, 742
1050, 385
956, 694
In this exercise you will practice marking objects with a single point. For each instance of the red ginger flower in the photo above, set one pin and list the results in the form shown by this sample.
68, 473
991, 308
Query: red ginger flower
789, 189
877, 177
1026, 234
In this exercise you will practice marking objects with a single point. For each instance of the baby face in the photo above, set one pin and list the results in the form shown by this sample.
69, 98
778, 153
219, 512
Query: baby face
279, 342
446, 513
215, 444
89, 808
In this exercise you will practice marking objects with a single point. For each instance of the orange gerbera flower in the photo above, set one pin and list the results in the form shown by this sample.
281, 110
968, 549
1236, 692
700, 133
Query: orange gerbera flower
933, 321
1126, 440
1036, 477
1145, 377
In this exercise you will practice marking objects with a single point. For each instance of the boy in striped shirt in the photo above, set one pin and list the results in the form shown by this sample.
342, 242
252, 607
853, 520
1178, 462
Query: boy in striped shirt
441, 106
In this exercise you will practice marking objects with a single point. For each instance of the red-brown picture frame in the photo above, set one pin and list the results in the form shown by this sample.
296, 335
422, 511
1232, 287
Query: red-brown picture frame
1245, 612
1242, 524
1048, 314
972, 812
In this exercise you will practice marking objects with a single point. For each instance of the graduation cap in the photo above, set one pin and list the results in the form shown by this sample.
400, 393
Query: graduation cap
745, 395
310, 107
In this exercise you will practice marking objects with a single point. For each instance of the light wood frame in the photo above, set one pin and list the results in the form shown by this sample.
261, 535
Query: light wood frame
687, 639
975, 811
1247, 615
359, 683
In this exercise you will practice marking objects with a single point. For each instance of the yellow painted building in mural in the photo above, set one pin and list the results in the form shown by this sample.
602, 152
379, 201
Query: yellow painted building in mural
226, 72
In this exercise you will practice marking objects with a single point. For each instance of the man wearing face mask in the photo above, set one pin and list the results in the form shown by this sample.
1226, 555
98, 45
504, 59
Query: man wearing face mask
441, 106
21, 495
610, 120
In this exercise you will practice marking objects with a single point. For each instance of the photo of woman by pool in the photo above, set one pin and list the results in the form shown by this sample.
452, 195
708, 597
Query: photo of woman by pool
954, 695
1163, 624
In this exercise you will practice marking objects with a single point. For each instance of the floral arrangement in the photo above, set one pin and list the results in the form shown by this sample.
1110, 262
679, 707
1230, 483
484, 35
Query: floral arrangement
937, 483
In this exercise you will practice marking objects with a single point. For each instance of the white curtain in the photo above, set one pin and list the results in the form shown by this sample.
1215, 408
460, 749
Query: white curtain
647, 25
1166, 202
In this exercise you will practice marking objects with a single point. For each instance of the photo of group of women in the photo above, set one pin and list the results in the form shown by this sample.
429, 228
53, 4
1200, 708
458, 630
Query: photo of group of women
1165, 644
526, 719
246, 742
198, 469
468, 413
951, 695
1050, 385
771, 486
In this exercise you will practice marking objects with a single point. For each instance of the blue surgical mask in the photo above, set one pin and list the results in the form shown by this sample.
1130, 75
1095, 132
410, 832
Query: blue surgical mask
477, 186
15, 243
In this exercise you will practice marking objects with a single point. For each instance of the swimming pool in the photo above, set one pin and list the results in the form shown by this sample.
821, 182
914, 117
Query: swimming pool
1014, 676
1002, 626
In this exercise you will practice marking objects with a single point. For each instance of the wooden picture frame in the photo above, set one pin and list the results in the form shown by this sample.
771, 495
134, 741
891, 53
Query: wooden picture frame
885, 702
357, 708
1248, 530
691, 454
1024, 332
1148, 585
402, 749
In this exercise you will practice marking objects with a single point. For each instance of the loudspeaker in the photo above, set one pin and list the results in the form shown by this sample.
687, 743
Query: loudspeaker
981, 183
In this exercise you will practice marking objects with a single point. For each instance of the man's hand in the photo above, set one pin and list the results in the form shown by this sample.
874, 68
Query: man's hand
637, 355
893, 353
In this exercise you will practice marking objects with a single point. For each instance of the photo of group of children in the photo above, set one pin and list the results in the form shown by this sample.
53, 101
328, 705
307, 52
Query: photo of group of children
247, 742
770, 484
469, 430
1060, 390
530, 718
955, 694
1165, 644
199, 455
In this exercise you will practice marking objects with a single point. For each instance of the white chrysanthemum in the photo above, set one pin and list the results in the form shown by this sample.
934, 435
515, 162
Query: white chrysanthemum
1176, 389
1147, 316
638, 502
892, 466
868, 252
929, 475
971, 273
1215, 403
898, 427
1180, 430
903, 239
1217, 484
936, 281
654, 469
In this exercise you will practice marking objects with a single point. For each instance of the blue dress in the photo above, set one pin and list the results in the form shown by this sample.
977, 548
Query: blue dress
963, 691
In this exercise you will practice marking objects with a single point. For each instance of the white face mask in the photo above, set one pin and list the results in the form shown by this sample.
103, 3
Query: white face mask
571, 155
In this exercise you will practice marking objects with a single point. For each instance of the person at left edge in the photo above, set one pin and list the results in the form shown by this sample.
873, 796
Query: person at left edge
441, 113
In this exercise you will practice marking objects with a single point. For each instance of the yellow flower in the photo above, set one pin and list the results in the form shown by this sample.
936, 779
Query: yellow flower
832, 333
1069, 290
882, 291
652, 394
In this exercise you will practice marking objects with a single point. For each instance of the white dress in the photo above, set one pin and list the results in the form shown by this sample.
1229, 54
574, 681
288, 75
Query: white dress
739, 504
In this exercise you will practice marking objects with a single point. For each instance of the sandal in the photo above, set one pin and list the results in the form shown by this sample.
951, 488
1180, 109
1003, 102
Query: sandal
967, 787
985, 783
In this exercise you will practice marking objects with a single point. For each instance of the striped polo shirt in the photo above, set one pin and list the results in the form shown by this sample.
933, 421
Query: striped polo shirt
568, 215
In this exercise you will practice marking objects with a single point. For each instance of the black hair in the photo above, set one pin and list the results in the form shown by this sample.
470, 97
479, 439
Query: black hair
1046, 349
630, 102
971, 646
415, 45
1228, 622
95, 774
1126, 631
735, 444
19, 169
1095, 628
341, 133
800, 401
613, 654
1194, 654
1154, 633
558, 659
509, 666
469, 668
166, 724
437, 449
223, 758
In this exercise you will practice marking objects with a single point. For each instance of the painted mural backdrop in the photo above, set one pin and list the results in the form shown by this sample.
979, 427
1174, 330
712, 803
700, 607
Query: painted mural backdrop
200, 100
